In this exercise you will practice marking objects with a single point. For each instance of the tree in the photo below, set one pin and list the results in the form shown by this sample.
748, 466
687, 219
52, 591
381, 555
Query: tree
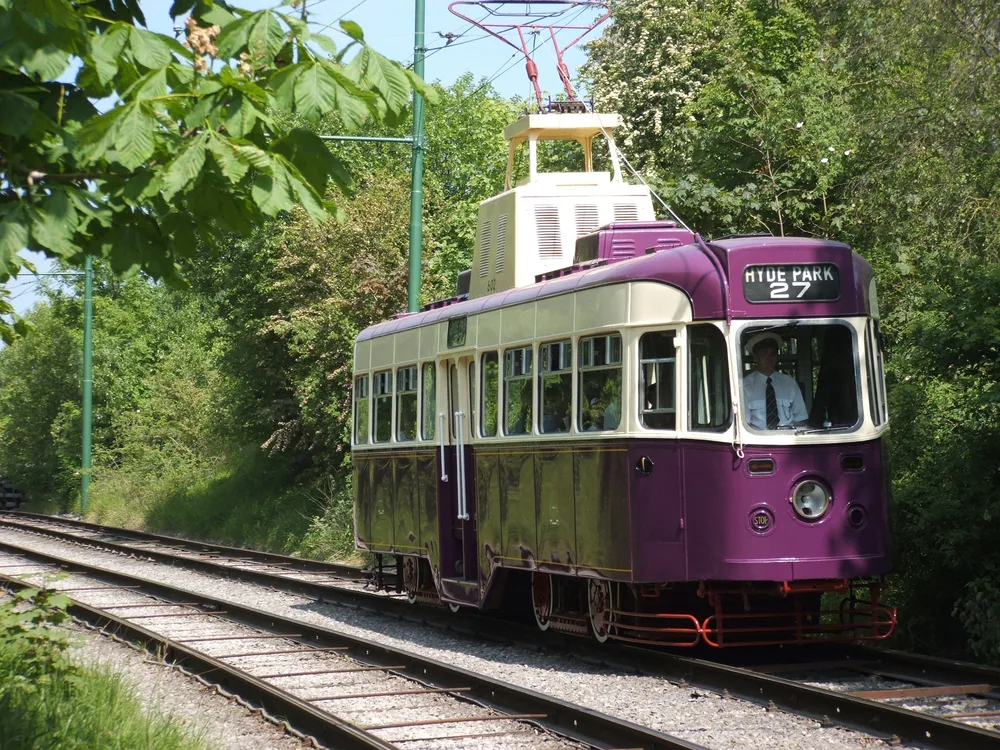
730, 111
293, 296
193, 148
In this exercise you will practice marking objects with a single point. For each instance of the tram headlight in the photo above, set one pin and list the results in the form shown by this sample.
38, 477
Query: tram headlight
810, 499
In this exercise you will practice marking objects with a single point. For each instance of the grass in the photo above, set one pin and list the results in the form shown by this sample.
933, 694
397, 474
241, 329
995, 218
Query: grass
244, 499
47, 702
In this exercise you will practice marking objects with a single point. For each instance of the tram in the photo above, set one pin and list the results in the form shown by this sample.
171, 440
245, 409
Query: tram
645, 435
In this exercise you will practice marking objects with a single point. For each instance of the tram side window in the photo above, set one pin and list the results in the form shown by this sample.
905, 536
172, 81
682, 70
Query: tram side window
880, 354
657, 364
361, 410
383, 406
517, 391
874, 389
711, 406
406, 404
472, 398
429, 406
488, 394
555, 386
600, 382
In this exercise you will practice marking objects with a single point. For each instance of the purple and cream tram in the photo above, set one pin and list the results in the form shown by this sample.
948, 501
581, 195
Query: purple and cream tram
594, 439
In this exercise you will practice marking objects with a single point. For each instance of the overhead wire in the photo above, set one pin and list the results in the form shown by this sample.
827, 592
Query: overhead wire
338, 18
639, 177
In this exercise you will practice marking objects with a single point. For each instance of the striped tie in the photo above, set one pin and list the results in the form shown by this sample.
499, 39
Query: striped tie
772, 406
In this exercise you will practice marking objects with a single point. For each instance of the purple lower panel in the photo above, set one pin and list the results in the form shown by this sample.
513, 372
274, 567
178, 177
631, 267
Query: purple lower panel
406, 511
658, 522
721, 497
383, 495
362, 500
488, 520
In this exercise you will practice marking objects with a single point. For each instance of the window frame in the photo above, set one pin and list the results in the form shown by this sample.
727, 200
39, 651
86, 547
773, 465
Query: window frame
529, 377
728, 381
641, 378
399, 392
365, 396
422, 406
876, 396
377, 379
580, 368
857, 327
568, 369
497, 391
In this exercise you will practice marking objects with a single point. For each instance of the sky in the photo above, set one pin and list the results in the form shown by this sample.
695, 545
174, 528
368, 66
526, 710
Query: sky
388, 27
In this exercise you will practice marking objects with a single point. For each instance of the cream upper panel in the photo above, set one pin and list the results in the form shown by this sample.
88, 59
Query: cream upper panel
407, 346
428, 342
383, 351
638, 303
362, 355
555, 316
517, 323
651, 303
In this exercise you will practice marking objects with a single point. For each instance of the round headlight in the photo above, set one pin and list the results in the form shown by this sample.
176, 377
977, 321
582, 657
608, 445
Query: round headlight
810, 500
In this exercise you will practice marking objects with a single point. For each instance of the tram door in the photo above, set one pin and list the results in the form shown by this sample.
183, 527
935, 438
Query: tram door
458, 533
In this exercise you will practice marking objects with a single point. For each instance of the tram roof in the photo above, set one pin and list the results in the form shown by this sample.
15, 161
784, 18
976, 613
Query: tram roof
692, 269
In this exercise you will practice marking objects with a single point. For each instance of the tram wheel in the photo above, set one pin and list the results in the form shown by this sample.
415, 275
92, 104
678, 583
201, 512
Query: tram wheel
411, 577
599, 604
541, 599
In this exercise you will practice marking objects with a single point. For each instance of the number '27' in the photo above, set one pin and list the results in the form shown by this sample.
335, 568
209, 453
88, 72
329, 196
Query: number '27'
779, 289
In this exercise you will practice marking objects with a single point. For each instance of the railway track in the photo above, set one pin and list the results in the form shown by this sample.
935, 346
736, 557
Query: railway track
331, 686
907, 705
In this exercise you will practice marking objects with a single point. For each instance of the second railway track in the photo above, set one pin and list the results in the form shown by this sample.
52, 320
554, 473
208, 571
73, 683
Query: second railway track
809, 684
282, 664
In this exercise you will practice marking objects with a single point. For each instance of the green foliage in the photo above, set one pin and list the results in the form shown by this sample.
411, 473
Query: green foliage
39, 384
193, 496
191, 150
47, 700
295, 295
156, 393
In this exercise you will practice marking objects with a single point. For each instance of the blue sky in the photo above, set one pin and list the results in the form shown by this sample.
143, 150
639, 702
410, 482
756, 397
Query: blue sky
388, 27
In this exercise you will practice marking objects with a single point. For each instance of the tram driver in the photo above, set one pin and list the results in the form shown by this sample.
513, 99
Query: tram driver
773, 400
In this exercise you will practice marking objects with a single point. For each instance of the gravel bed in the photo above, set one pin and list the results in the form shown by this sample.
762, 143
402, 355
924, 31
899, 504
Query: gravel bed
693, 714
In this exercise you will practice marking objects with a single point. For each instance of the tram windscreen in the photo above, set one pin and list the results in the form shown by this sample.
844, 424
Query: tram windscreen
801, 376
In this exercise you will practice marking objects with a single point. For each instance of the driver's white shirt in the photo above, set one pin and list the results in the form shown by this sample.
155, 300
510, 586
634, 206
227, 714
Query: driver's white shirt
791, 407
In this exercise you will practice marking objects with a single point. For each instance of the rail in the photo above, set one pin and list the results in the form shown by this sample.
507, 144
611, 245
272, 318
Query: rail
764, 687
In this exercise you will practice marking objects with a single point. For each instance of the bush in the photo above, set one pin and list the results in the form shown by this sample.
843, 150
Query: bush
47, 701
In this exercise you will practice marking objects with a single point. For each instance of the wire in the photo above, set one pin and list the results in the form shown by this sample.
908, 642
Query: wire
338, 18
455, 44
455, 35
640, 178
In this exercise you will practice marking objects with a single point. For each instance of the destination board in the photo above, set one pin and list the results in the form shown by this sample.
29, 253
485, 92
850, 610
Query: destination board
792, 282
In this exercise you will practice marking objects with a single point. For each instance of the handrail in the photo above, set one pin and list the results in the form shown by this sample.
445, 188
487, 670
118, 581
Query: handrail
463, 508
442, 432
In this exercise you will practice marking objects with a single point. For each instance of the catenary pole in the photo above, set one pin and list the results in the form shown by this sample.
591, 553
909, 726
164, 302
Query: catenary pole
88, 377
417, 175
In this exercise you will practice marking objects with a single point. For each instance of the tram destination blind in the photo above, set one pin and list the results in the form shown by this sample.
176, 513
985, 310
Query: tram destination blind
792, 282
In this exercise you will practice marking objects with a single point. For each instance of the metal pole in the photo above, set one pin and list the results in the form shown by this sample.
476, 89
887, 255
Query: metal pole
88, 378
417, 174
